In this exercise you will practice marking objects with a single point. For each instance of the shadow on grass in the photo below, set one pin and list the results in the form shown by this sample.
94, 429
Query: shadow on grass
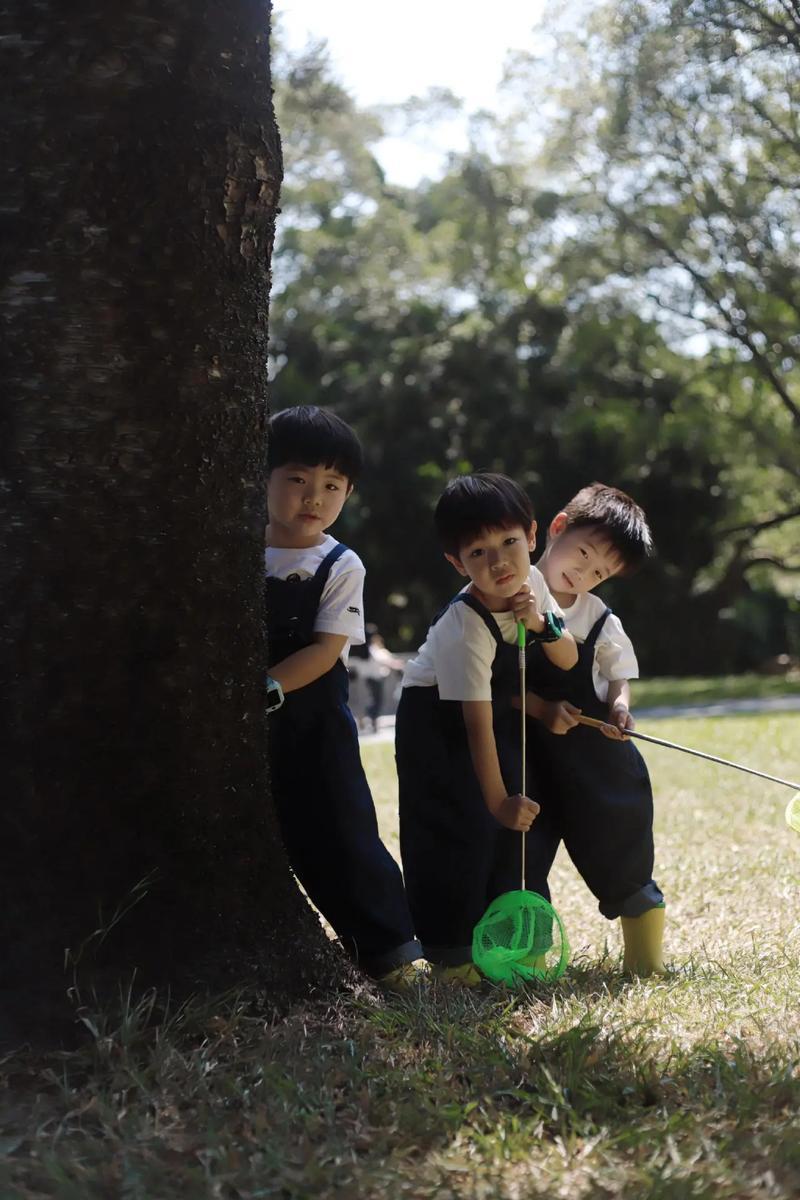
437, 1094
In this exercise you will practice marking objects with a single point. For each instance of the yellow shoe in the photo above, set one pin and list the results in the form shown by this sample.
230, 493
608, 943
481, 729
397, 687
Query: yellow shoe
405, 977
464, 975
539, 963
643, 937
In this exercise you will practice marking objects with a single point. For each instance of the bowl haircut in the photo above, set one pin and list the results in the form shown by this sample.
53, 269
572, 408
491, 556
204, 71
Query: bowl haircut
617, 518
312, 437
471, 504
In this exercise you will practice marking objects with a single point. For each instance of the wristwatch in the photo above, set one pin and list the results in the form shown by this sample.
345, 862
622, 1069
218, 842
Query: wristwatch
274, 694
553, 629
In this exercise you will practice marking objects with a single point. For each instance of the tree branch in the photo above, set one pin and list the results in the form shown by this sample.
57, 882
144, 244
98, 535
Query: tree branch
759, 526
737, 331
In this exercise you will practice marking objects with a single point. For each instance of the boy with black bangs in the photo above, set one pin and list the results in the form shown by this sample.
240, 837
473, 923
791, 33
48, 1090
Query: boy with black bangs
457, 738
315, 607
594, 792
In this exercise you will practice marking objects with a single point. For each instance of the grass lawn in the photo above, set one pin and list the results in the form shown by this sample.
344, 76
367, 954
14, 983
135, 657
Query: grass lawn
649, 693
595, 1087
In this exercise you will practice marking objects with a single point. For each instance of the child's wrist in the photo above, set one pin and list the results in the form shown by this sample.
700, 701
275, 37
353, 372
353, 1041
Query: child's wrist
535, 622
551, 628
495, 802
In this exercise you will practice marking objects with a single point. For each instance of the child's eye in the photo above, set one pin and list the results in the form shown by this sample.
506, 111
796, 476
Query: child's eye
583, 552
509, 541
332, 487
475, 553
296, 479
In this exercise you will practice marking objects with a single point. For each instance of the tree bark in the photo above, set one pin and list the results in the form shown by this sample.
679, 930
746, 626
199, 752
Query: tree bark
138, 219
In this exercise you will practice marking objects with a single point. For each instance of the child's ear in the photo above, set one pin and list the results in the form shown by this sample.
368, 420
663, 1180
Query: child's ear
349, 491
532, 537
457, 563
558, 524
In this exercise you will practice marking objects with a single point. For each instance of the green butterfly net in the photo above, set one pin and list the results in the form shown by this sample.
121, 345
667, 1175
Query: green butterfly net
520, 938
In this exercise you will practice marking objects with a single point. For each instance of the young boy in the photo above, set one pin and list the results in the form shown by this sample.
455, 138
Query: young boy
594, 792
457, 737
314, 611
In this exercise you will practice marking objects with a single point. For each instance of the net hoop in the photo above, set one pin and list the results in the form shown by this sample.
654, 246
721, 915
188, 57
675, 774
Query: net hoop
520, 962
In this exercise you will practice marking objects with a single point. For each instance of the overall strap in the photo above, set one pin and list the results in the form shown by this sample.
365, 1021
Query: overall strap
482, 611
594, 632
324, 569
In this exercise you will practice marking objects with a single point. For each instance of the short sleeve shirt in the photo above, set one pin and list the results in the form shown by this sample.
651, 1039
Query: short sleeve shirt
458, 653
341, 608
614, 656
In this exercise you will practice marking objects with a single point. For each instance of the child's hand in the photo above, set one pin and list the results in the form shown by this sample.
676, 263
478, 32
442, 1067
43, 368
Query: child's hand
559, 716
523, 606
619, 720
517, 812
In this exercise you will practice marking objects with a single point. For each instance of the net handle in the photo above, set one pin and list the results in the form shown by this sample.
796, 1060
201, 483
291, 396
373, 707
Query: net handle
593, 723
522, 638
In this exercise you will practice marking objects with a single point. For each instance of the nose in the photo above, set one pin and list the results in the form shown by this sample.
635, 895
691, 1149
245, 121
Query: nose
312, 498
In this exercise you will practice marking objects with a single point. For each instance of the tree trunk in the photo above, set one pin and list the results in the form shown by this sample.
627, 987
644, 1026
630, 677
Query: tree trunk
138, 220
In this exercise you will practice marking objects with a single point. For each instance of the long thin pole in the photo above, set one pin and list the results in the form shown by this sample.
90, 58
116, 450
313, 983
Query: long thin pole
723, 762
522, 638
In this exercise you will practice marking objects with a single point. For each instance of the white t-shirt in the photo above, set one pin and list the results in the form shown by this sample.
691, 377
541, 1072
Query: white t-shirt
341, 607
614, 656
458, 653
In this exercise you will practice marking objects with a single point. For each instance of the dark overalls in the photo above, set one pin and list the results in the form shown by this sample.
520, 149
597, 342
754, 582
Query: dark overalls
594, 793
322, 796
456, 856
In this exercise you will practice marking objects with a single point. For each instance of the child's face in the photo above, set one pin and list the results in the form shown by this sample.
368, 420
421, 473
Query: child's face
498, 563
303, 501
575, 561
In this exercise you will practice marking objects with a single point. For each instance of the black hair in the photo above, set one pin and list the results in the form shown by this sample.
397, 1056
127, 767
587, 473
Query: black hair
313, 436
618, 517
472, 503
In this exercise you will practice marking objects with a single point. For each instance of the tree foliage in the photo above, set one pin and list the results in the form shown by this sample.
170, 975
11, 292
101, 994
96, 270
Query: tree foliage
531, 314
678, 158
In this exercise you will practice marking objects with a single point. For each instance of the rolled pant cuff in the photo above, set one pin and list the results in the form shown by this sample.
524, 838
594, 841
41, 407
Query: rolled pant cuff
647, 897
381, 964
448, 956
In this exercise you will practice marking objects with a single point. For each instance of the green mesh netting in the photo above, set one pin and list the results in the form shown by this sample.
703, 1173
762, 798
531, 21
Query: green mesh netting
519, 938
793, 813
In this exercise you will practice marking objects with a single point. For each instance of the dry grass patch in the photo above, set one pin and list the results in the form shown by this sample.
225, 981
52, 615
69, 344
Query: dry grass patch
596, 1087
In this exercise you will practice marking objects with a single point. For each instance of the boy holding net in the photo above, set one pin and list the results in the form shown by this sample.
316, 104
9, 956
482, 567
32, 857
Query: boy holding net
594, 791
314, 593
457, 737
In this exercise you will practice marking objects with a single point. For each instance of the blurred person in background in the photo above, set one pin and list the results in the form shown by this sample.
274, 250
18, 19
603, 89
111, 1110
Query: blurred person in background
373, 664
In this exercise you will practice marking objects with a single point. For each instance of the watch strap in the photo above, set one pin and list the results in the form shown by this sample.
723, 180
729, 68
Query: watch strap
553, 629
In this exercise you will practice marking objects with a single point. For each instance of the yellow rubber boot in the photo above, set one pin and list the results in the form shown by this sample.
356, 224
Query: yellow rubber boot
464, 975
405, 977
644, 937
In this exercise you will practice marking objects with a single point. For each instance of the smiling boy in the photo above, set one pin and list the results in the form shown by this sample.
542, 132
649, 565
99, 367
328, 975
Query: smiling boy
594, 792
314, 592
457, 738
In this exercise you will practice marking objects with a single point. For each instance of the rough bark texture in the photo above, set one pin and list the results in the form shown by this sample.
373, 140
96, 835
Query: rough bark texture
137, 222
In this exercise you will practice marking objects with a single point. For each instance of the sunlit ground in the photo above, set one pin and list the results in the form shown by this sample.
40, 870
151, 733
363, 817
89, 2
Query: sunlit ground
594, 1087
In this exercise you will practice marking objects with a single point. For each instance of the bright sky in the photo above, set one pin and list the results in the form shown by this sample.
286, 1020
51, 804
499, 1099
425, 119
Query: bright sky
384, 53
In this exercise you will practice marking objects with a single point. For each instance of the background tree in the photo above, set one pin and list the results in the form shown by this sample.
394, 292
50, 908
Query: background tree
138, 221
675, 161
503, 316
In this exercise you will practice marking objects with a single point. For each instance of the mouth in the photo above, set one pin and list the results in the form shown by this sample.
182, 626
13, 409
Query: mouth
568, 581
502, 580
309, 517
